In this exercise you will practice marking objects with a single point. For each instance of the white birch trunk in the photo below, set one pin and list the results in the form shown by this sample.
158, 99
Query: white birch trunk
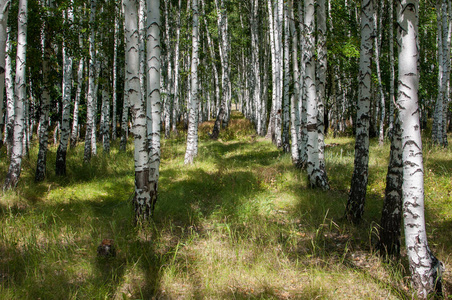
75, 125
175, 111
137, 105
321, 87
358, 189
287, 80
425, 268
153, 105
20, 98
294, 105
90, 101
192, 136
377, 45
60, 168
4, 9
9, 87
44, 121
115, 78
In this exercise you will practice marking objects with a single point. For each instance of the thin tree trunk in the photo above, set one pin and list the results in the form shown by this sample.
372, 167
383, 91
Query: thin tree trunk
287, 80
91, 101
45, 104
75, 125
192, 137
9, 87
4, 9
60, 168
115, 78
357, 196
175, 111
391, 216
13, 174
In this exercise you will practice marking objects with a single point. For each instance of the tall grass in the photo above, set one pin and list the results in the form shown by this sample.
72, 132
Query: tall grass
241, 223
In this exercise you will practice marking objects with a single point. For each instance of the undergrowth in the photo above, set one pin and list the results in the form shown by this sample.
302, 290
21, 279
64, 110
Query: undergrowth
240, 223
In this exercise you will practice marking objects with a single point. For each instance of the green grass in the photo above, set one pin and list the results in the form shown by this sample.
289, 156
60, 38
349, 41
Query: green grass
241, 223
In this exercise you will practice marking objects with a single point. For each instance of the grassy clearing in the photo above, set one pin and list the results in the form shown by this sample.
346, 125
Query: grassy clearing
241, 223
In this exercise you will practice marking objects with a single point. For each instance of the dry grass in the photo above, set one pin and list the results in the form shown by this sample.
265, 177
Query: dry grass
241, 223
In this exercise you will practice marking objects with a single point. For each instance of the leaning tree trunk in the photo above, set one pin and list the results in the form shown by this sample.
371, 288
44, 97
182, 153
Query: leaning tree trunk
66, 103
192, 136
424, 266
357, 196
153, 105
19, 98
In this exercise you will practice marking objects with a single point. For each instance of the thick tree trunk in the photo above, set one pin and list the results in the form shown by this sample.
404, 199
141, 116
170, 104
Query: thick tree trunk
287, 80
424, 266
357, 196
138, 107
144, 210
13, 174
192, 136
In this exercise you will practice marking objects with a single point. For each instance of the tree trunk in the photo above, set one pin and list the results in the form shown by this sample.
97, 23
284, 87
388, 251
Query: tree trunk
19, 98
391, 216
4, 9
137, 106
287, 80
192, 136
75, 125
60, 168
45, 103
294, 101
90, 101
424, 266
9, 87
144, 210
115, 78
357, 196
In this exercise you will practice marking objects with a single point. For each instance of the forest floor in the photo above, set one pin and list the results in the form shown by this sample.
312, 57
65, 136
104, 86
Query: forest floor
240, 223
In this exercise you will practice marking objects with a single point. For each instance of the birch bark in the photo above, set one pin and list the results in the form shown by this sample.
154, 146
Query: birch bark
192, 137
358, 189
153, 105
13, 174
424, 266
60, 168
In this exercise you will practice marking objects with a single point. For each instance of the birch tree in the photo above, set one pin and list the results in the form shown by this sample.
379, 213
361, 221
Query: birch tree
192, 136
20, 94
357, 196
66, 101
91, 101
424, 266
137, 108
4, 9
46, 40
317, 176
153, 104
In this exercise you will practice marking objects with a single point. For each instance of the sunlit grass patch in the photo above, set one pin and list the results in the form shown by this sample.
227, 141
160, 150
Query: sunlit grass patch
240, 223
